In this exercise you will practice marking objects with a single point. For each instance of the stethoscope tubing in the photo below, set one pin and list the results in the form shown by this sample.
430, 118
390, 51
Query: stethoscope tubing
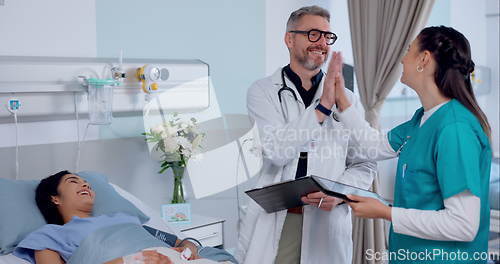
283, 88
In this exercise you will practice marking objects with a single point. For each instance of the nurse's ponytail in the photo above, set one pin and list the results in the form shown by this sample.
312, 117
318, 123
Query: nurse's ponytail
451, 50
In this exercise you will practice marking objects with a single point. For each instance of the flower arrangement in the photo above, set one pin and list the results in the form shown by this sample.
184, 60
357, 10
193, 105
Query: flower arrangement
178, 141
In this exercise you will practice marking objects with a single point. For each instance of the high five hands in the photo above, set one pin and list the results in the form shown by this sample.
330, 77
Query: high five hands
335, 70
334, 88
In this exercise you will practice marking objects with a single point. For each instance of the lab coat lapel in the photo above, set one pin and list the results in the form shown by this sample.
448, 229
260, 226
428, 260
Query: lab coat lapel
276, 79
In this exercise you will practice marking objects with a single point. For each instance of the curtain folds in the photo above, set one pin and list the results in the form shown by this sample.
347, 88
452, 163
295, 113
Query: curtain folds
381, 31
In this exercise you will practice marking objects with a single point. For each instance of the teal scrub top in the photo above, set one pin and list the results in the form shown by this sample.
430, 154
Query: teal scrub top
449, 154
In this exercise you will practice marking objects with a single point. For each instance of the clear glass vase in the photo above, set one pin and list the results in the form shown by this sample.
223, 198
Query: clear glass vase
178, 195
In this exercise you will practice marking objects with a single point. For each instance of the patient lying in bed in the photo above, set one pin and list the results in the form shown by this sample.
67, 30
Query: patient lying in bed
73, 235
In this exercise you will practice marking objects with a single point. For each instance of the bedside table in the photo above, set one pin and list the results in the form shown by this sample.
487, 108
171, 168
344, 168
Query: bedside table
208, 230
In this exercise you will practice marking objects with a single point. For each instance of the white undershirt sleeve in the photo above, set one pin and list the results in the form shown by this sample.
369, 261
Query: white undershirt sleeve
459, 221
375, 144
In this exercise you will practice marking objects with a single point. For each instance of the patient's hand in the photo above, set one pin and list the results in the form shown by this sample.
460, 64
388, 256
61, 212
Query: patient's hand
314, 199
191, 246
153, 257
145, 257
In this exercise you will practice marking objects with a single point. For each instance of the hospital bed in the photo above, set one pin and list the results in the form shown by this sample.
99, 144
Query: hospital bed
155, 221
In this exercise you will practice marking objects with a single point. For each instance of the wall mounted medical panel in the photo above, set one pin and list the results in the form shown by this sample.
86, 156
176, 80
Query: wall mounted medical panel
50, 86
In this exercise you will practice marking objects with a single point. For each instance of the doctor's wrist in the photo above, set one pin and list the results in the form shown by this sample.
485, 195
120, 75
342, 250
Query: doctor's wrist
326, 103
343, 104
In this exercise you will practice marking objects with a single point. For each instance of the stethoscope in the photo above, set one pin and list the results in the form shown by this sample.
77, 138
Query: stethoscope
284, 88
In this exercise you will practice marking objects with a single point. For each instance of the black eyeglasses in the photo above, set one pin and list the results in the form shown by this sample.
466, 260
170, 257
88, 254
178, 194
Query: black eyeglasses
314, 35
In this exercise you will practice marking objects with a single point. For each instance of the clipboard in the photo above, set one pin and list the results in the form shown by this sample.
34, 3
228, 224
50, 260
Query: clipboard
285, 195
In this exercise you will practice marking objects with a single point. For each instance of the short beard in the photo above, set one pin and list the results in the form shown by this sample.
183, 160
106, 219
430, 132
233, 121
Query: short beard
307, 63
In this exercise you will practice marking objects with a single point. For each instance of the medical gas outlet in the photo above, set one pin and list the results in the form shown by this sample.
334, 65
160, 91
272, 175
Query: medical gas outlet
118, 74
150, 76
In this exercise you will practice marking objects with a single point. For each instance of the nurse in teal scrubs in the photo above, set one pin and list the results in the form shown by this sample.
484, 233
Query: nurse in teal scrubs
441, 208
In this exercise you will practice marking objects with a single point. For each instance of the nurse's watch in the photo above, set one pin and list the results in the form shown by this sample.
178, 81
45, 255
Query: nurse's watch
323, 109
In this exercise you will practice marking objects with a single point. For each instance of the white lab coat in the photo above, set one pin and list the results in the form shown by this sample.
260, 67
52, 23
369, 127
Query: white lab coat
326, 236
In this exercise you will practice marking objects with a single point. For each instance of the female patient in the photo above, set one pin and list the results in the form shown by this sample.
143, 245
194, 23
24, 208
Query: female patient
441, 189
66, 202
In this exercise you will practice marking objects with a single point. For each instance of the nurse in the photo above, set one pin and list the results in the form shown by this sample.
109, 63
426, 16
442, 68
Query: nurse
441, 207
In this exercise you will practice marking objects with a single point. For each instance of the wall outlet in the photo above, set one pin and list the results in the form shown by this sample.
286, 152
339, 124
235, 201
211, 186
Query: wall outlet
13, 104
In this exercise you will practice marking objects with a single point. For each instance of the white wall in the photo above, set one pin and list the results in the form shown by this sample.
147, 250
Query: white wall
469, 18
48, 28
478, 21
277, 13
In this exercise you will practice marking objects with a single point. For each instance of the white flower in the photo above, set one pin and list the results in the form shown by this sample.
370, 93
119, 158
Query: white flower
158, 129
186, 152
170, 144
183, 125
170, 131
178, 139
184, 142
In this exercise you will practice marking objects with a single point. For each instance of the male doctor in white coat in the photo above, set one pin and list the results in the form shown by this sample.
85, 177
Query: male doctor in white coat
300, 137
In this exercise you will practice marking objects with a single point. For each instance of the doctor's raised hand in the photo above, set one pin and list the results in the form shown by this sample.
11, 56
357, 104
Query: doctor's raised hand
327, 99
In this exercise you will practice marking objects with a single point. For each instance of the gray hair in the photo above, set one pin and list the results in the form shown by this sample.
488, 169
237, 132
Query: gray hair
306, 10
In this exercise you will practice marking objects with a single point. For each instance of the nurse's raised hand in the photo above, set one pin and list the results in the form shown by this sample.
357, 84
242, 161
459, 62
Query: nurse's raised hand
366, 207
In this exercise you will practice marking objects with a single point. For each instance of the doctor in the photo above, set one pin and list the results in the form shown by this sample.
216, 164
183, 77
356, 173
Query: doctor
299, 138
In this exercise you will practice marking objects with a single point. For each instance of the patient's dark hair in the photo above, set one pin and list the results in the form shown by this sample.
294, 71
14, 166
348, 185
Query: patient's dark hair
44, 192
451, 50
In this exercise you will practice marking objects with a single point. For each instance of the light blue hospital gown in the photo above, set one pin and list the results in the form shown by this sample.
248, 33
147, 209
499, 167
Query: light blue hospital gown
66, 238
